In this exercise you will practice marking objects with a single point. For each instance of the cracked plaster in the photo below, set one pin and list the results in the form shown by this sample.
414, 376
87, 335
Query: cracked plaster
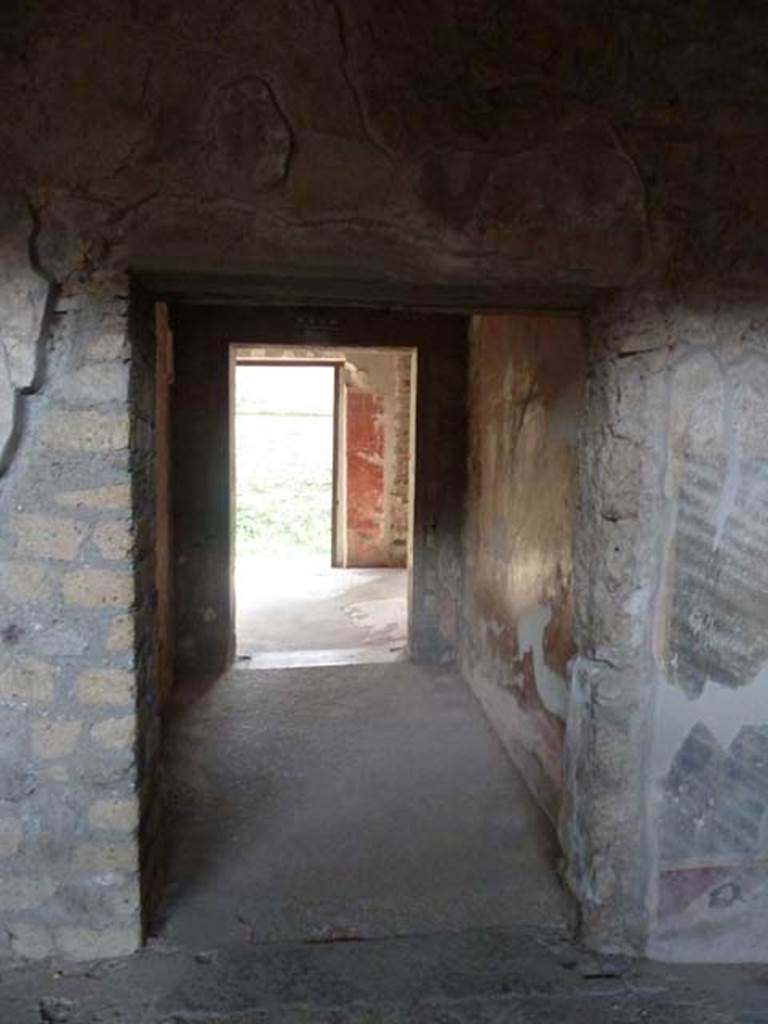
23, 299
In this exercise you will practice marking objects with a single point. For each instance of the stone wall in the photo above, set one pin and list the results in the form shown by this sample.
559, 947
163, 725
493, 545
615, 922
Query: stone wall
353, 141
151, 623
525, 405
466, 157
71, 540
163, 509
666, 820
202, 503
439, 489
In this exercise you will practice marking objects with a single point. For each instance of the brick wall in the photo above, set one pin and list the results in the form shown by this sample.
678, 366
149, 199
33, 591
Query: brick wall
69, 535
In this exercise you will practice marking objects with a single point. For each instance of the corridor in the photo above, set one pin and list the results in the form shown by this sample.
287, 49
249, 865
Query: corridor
356, 802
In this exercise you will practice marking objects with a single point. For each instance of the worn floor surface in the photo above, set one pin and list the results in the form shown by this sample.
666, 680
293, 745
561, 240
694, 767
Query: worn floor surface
498, 976
354, 848
290, 616
349, 802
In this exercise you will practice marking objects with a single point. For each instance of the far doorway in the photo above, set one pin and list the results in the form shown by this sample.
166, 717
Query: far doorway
322, 478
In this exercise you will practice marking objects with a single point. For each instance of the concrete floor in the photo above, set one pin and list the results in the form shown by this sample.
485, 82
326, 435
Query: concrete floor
349, 802
493, 976
295, 615
368, 820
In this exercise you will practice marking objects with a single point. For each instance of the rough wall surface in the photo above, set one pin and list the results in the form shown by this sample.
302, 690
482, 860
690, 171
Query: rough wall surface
377, 419
71, 665
470, 156
202, 503
25, 299
399, 486
525, 405
439, 489
456, 143
666, 821
146, 359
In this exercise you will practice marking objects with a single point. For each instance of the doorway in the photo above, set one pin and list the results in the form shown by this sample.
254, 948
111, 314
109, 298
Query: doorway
414, 526
322, 484
311, 803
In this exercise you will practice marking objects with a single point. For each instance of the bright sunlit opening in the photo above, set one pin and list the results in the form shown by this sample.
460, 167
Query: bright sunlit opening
284, 467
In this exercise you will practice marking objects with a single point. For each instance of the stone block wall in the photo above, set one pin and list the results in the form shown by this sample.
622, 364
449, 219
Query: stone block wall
664, 815
530, 161
69, 543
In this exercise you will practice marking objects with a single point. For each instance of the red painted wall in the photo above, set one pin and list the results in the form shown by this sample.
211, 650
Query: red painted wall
366, 533
376, 453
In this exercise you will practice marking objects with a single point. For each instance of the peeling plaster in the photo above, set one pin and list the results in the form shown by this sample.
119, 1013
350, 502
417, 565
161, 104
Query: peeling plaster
525, 400
732, 480
722, 710
26, 302
686, 467
530, 637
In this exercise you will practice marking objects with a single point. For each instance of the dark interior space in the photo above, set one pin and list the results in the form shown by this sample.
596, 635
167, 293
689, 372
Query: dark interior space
530, 243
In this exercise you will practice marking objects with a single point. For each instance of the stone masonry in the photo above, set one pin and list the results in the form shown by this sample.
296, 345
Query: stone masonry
70, 803
668, 707
459, 158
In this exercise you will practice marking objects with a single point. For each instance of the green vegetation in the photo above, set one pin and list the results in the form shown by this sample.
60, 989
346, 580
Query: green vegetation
284, 485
